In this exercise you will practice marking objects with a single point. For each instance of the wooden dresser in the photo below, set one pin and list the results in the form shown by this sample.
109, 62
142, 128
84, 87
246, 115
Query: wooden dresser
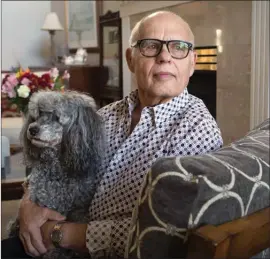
86, 78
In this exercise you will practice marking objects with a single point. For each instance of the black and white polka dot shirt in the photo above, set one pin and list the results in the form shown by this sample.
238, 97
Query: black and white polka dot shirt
182, 126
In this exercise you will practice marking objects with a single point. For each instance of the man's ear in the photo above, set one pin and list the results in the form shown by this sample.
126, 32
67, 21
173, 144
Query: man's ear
193, 63
129, 59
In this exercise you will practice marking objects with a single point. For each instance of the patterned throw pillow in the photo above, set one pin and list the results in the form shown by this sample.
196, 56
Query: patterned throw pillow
182, 193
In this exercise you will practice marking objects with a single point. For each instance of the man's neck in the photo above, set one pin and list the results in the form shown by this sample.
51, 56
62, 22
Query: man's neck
150, 101
135, 117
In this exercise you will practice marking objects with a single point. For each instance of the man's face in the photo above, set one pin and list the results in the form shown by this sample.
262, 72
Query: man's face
162, 76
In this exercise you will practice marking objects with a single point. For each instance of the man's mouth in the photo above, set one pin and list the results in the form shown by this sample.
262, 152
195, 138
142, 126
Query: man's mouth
163, 75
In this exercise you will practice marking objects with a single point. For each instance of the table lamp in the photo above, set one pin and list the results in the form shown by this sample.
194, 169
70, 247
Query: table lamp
52, 24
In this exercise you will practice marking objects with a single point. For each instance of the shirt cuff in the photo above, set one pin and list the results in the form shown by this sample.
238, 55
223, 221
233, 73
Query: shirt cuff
98, 236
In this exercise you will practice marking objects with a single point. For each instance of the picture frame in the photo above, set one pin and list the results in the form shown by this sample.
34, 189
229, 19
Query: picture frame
81, 25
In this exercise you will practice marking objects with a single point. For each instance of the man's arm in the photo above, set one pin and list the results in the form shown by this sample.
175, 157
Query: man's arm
207, 136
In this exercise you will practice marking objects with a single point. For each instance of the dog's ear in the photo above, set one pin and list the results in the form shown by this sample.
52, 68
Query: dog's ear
30, 152
83, 143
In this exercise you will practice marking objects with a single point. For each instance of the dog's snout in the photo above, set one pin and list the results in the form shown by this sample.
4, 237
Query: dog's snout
34, 130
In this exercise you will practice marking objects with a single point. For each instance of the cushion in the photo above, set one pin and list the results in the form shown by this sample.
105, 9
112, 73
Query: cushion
183, 193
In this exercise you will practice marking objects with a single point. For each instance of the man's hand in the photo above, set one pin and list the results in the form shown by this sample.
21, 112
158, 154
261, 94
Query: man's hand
32, 217
46, 230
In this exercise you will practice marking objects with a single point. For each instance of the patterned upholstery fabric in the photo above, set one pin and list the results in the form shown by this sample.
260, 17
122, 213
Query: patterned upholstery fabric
182, 193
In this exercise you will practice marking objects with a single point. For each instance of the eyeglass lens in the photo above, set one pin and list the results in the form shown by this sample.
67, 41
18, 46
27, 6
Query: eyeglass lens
151, 48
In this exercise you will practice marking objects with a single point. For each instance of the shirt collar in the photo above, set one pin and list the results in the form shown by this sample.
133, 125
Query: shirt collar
160, 112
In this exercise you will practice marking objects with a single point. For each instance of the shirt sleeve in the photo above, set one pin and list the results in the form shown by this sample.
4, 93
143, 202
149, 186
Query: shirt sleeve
107, 237
207, 135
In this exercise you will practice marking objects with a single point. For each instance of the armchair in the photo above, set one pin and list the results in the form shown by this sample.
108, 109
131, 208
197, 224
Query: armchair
207, 206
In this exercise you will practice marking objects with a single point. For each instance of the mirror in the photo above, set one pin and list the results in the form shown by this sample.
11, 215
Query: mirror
111, 53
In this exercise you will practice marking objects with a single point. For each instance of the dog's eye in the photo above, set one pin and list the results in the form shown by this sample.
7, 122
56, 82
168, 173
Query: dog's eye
55, 117
44, 113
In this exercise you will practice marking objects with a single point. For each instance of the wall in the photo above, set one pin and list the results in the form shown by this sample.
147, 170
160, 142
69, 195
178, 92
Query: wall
60, 37
234, 62
113, 6
22, 39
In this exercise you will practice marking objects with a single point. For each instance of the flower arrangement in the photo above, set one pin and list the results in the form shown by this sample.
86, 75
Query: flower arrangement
20, 85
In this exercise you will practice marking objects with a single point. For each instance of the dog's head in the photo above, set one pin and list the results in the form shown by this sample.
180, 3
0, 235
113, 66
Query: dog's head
66, 122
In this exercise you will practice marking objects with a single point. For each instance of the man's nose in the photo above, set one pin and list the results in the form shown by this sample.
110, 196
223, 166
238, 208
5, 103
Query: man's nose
164, 55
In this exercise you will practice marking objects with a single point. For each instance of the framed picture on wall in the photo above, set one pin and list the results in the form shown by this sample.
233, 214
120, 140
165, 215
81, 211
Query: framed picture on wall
81, 22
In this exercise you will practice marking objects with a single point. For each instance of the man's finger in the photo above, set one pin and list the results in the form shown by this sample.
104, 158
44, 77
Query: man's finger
37, 241
29, 249
54, 215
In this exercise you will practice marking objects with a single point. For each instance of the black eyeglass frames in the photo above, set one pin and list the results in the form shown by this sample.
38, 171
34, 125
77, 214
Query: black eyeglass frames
178, 49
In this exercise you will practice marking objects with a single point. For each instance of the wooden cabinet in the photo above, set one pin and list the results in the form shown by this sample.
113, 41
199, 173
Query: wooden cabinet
85, 78
89, 79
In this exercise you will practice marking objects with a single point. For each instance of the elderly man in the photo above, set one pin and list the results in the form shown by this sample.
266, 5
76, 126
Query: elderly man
159, 119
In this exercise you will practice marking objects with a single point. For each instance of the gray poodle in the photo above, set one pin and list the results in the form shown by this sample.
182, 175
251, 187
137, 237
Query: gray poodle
63, 141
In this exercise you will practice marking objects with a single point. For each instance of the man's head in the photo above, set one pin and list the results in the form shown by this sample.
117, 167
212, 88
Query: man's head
161, 75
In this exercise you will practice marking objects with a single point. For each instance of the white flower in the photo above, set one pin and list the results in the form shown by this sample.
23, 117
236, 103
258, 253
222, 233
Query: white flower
66, 75
23, 91
54, 72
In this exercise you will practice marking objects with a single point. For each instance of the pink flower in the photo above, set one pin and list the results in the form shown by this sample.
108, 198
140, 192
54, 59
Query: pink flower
26, 81
8, 88
12, 79
54, 73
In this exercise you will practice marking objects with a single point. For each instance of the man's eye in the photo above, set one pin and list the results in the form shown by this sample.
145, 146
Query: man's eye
153, 46
181, 46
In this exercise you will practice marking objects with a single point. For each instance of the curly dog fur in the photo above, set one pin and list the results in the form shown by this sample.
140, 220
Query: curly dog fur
63, 142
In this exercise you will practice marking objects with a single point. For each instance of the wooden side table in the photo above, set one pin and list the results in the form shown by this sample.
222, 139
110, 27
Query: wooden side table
12, 189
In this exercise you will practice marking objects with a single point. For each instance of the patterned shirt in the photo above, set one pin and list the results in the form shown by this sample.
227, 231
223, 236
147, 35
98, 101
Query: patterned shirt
183, 126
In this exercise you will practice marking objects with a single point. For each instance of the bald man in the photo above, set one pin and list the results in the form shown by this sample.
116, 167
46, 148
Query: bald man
158, 119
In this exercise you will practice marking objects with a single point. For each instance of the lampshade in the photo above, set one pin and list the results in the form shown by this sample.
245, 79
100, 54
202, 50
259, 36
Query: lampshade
52, 23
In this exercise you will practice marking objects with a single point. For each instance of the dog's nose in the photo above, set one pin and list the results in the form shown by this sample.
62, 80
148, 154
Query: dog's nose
34, 130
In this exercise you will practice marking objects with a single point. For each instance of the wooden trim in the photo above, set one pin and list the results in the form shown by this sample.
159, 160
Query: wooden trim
238, 239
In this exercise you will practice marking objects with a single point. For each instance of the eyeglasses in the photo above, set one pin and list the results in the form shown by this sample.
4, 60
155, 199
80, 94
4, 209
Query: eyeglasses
178, 49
